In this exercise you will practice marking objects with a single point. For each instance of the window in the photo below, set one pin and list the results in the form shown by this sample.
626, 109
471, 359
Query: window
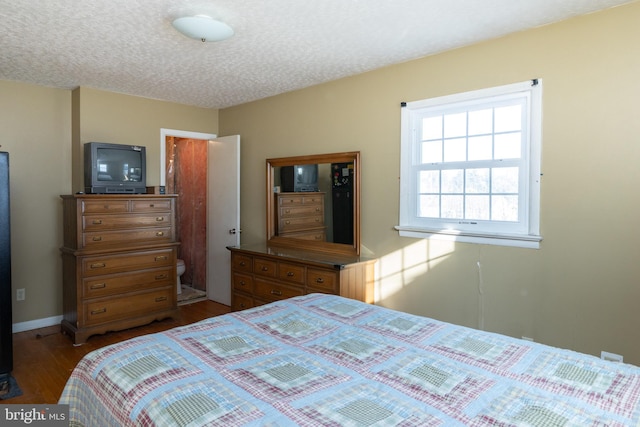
470, 166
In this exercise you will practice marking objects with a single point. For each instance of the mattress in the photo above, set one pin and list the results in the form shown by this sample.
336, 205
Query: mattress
327, 360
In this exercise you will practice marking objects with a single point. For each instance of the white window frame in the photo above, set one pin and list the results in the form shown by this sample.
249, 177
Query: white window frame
523, 233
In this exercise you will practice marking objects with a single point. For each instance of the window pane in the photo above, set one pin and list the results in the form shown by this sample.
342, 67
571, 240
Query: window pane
429, 182
455, 150
455, 125
453, 181
504, 208
428, 206
432, 128
480, 148
477, 180
504, 180
452, 206
508, 118
432, 152
480, 122
508, 146
477, 207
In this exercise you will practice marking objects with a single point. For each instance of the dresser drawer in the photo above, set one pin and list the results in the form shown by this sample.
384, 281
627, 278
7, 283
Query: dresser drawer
304, 210
323, 280
272, 291
127, 282
264, 267
119, 222
289, 200
110, 309
313, 199
105, 206
241, 302
294, 223
127, 237
291, 272
242, 282
296, 199
108, 264
241, 263
151, 205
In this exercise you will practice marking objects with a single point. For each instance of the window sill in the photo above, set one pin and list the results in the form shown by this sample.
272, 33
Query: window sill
513, 240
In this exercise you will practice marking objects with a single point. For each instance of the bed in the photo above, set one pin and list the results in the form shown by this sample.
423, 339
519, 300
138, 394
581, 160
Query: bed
327, 360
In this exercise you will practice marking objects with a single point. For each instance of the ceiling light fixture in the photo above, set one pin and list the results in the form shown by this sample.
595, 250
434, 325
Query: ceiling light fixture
203, 27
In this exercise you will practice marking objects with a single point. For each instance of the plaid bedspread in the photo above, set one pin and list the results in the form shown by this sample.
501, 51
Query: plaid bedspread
325, 360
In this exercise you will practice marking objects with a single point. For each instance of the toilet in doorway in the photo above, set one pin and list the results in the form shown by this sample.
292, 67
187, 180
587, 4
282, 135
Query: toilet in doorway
179, 272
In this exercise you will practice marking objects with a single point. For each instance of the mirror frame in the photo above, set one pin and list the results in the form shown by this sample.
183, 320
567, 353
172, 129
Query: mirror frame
341, 248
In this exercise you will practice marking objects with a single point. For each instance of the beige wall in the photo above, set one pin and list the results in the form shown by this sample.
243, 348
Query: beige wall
123, 119
581, 289
36, 132
43, 129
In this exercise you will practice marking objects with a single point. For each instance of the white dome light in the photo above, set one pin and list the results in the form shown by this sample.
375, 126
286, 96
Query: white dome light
203, 27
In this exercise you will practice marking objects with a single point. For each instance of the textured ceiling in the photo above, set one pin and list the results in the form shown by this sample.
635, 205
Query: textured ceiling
129, 46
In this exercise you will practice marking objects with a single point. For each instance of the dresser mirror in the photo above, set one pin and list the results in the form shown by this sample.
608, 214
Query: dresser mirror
313, 202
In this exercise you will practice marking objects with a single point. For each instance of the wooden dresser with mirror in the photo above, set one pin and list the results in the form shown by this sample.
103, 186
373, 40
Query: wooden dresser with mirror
313, 234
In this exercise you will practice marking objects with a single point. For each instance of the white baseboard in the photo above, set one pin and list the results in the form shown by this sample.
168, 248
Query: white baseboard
36, 324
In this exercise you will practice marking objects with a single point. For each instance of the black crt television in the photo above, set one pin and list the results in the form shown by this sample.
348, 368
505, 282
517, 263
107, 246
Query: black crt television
299, 178
114, 168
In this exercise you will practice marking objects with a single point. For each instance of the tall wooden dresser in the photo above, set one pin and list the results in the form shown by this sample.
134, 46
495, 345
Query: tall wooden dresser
119, 262
261, 274
301, 215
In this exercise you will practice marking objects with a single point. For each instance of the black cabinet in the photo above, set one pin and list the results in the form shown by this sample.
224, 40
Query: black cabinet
342, 203
6, 340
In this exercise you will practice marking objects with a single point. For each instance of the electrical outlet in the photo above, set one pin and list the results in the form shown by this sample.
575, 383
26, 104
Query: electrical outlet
20, 294
611, 357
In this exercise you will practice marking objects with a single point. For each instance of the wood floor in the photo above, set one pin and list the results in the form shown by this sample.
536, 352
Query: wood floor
44, 358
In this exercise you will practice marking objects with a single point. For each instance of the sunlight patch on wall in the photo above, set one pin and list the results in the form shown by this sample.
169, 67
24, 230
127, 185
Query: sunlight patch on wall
405, 266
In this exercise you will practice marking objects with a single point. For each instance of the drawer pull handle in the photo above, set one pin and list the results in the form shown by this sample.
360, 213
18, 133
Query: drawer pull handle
160, 233
287, 222
98, 265
151, 205
265, 268
287, 211
159, 218
317, 209
98, 286
160, 299
243, 264
102, 310
160, 258
97, 238
161, 276
276, 292
97, 222
241, 305
319, 280
290, 274
242, 283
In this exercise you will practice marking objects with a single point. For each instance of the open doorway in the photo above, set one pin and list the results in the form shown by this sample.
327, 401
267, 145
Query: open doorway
208, 207
186, 175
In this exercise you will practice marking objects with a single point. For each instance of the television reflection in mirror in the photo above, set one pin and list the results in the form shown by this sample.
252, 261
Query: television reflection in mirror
299, 178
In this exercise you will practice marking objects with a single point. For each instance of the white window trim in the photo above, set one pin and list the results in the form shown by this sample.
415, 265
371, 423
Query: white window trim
530, 239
